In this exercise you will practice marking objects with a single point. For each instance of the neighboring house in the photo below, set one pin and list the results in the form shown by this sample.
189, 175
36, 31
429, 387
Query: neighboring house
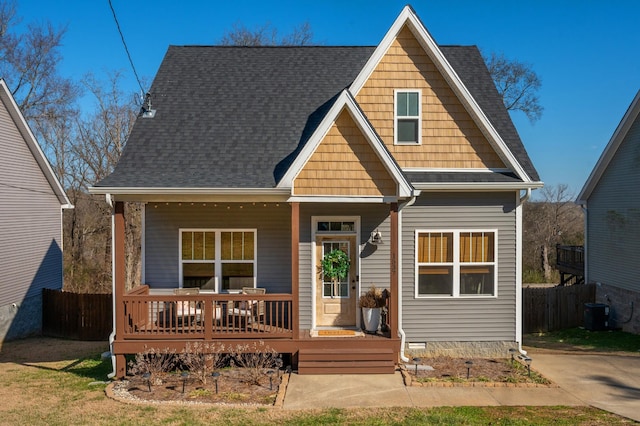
256, 161
611, 201
31, 203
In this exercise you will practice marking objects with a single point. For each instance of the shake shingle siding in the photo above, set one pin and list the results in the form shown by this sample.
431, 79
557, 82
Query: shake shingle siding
460, 319
613, 234
273, 225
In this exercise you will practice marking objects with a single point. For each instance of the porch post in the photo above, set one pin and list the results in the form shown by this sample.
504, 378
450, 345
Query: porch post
295, 268
393, 305
119, 280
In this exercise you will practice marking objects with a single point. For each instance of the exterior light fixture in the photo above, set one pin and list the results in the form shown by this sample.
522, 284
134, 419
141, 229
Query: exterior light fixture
215, 376
147, 377
270, 374
468, 364
416, 361
376, 238
185, 376
512, 351
528, 360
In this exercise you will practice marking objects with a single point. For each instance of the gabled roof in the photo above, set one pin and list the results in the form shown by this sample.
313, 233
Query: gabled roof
518, 161
237, 118
610, 150
32, 144
346, 102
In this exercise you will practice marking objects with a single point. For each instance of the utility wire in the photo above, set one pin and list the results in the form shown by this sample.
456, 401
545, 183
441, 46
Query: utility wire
124, 43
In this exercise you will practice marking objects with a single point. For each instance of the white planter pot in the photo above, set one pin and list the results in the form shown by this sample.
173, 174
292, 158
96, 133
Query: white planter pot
371, 318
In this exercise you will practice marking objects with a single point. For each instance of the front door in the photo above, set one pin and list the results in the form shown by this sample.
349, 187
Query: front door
336, 302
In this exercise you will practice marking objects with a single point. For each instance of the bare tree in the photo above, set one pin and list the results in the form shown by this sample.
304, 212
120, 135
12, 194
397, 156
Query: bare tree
99, 140
554, 220
518, 85
29, 64
267, 35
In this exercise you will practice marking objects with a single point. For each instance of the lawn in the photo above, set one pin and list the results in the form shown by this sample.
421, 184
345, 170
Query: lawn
53, 382
579, 339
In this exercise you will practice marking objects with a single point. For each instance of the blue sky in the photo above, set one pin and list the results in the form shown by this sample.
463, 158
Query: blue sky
587, 53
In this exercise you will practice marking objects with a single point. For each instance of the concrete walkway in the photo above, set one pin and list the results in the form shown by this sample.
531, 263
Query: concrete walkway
609, 382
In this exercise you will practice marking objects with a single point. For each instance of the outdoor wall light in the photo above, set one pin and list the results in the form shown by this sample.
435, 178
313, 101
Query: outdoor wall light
215, 375
468, 364
416, 361
185, 376
376, 237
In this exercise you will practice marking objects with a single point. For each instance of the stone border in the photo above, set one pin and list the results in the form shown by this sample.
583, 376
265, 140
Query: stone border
116, 390
408, 381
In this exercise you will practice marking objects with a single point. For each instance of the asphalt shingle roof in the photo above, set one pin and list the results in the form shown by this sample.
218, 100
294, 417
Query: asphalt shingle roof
235, 117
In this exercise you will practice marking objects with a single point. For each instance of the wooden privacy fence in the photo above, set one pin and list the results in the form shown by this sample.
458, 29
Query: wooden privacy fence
76, 315
555, 308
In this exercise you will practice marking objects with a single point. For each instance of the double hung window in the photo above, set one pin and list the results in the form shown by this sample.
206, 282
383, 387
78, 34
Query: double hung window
407, 117
456, 263
229, 255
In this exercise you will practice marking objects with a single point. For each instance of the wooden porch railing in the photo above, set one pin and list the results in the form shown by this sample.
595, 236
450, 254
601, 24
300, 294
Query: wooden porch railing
206, 316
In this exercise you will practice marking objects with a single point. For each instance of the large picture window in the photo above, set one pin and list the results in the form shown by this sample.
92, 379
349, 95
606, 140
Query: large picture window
407, 116
456, 263
228, 255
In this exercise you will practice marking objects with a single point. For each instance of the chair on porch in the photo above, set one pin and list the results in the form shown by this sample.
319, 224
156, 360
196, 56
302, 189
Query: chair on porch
187, 311
250, 311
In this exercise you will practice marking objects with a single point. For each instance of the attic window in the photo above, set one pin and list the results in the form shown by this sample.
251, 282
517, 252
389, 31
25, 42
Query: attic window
407, 116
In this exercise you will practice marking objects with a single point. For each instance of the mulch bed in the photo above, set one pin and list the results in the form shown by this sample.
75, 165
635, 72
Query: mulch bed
492, 372
232, 389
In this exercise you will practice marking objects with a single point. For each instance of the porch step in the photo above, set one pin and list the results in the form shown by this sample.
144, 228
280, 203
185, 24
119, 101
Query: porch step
346, 361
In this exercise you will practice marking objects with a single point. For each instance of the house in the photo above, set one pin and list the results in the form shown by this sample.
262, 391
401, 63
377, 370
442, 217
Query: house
254, 162
612, 223
30, 224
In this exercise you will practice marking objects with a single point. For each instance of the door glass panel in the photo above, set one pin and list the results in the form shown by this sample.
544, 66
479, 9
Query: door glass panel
329, 288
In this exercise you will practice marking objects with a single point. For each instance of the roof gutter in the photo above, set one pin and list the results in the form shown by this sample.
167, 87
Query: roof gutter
477, 186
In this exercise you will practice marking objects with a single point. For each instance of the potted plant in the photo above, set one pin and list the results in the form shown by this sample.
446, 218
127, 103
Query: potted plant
335, 265
371, 304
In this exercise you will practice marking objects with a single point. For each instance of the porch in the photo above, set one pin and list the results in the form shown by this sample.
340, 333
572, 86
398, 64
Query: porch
570, 264
172, 321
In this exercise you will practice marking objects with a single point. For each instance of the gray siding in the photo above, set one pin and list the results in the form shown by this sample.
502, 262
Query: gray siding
374, 260
273, 224
461, 319
30, 221
613, 219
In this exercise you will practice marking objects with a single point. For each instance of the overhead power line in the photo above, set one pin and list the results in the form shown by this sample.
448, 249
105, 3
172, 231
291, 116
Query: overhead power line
124, 43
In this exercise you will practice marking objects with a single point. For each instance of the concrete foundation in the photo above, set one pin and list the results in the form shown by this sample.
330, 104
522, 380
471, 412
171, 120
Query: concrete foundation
462, 349
624, 307
21, 319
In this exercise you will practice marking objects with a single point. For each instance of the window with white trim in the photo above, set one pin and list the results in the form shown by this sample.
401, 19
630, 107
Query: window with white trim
407, 113
228, 254
456, 263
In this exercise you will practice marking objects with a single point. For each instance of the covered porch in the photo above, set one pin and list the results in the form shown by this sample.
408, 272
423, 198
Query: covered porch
148, 318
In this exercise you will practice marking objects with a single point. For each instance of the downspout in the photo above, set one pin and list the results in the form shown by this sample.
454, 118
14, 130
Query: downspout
585, 245
112, 336
401, 332
518, 330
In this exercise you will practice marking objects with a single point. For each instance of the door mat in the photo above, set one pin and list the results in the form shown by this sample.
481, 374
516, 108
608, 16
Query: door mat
336, 333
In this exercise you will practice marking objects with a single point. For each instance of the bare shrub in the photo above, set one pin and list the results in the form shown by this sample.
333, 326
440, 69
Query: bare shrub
255, 359
203, 359
156, 362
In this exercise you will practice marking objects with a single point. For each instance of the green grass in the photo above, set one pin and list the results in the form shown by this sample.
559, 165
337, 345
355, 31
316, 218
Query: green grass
581, 339
46, 394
